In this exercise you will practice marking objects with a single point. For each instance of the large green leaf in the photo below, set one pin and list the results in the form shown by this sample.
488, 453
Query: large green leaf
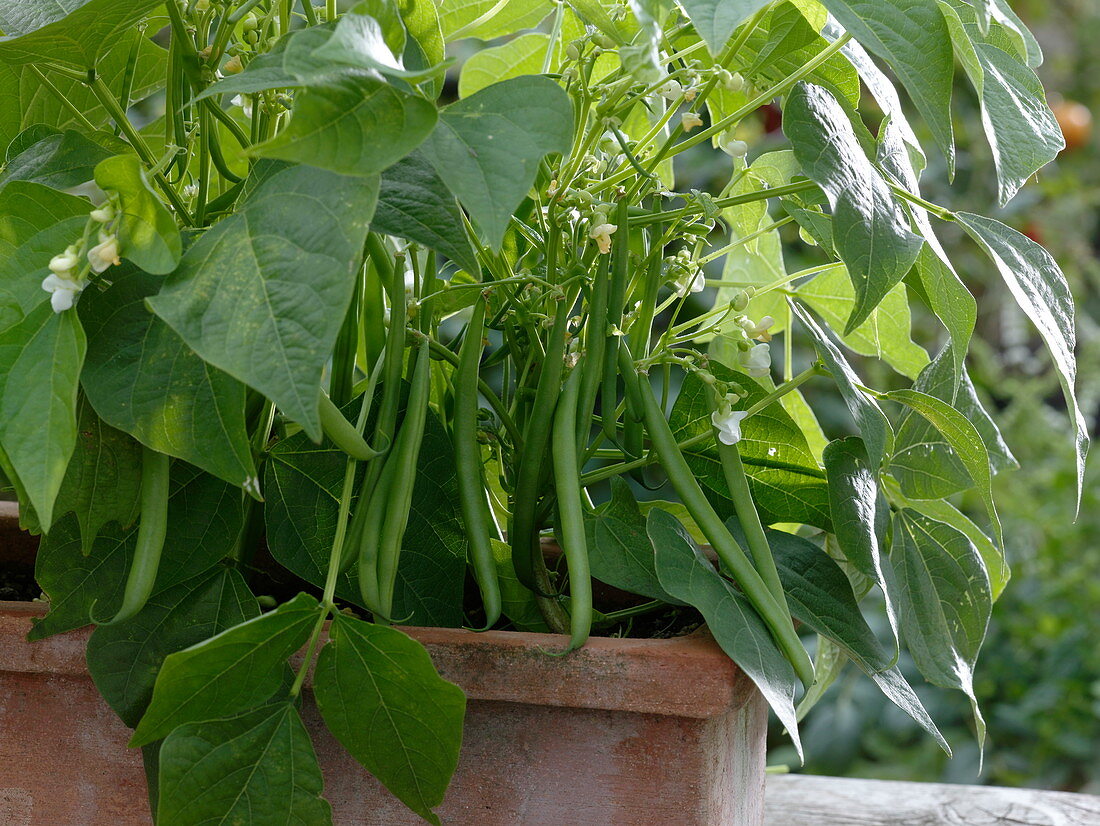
860, 515
54, 158
488, 19
943, 593
25, 100
352, 125
379, 693
302, 486
687, 574
66, 31
205, 519
870, 229
964, 440
124, 659
291, 63
872, 422
142, 378
715, 20
1036, 282
885, 334
40, 361
923, 462
1022, 131
487, 147
235, 670
147, 231
240, 299
414, 203
945, 293
523, 55
912, 37
786, 482
254, 767
27, 209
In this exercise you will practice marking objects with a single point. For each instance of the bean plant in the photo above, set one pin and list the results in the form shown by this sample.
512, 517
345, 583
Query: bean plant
280, 303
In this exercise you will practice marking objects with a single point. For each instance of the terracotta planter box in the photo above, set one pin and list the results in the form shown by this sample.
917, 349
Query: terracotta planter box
622, 733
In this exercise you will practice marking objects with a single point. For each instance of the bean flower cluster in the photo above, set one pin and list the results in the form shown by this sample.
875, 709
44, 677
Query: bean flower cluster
69, 270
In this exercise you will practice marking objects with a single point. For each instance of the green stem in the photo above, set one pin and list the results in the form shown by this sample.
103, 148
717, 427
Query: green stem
62, 99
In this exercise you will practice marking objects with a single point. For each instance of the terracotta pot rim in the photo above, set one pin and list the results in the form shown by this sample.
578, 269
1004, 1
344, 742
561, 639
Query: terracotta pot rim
684, 676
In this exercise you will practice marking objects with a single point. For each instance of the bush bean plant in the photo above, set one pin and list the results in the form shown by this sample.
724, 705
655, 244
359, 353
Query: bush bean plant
276, 297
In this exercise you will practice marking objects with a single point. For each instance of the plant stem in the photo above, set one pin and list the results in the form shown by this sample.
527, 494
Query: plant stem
62, 99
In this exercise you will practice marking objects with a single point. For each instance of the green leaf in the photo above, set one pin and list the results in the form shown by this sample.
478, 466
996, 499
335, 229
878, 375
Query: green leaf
103, 479
205, 518
40, 361
487, 147
147, 231
620, 553
238, 297
124, 659
382, 698
359, 42
716, 20
72, 31
943, 593
255, 767
291, 63
142, 378
964, 439
913, 38
872, 422
1036, 282
886, 333
870, 230
860, 515
27, 209
484, 20
924, 463
820, 596
517, 602
523, 55
414, 203
235, 670
785, 480
352, 125
25, 101
1022, 131
302, 485
947, 296
53, 158
689, 576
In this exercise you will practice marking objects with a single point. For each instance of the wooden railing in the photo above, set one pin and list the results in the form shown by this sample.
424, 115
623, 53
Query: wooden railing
806, 800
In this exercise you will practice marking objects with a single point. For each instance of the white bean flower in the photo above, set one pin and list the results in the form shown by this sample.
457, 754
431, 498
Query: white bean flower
601, 234
733, 147
758, 329
757, 360
670, 90
690, 120
728, 423
104, 254
63, 291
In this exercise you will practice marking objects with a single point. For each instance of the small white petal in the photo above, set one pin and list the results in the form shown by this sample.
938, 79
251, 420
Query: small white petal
62, 300
728, 425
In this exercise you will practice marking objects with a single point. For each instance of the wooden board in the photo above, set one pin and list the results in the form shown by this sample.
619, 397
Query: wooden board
806, 800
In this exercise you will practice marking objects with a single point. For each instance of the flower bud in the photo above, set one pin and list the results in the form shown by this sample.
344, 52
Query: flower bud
735, 148
670, 90
64, 263
104, 214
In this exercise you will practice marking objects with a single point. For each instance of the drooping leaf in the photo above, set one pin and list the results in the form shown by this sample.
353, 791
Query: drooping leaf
54, 158
944, 599
255, 767
716, 20
124, 659
147, 231
963, 438
380, 695
487, 147
689, 576
885, 334
947, 296
785, 480
142, 378
1039, 287
913, 38
40, 361
414, 203
873, 425
235, 670
359, 41
239, 298
871, 232
74, 31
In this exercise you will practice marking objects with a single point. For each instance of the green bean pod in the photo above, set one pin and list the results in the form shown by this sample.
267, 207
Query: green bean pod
571, 533
471, 485
343, 433
403, 459
370, 538
595, 344
683, 481
620, 277
150, 539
